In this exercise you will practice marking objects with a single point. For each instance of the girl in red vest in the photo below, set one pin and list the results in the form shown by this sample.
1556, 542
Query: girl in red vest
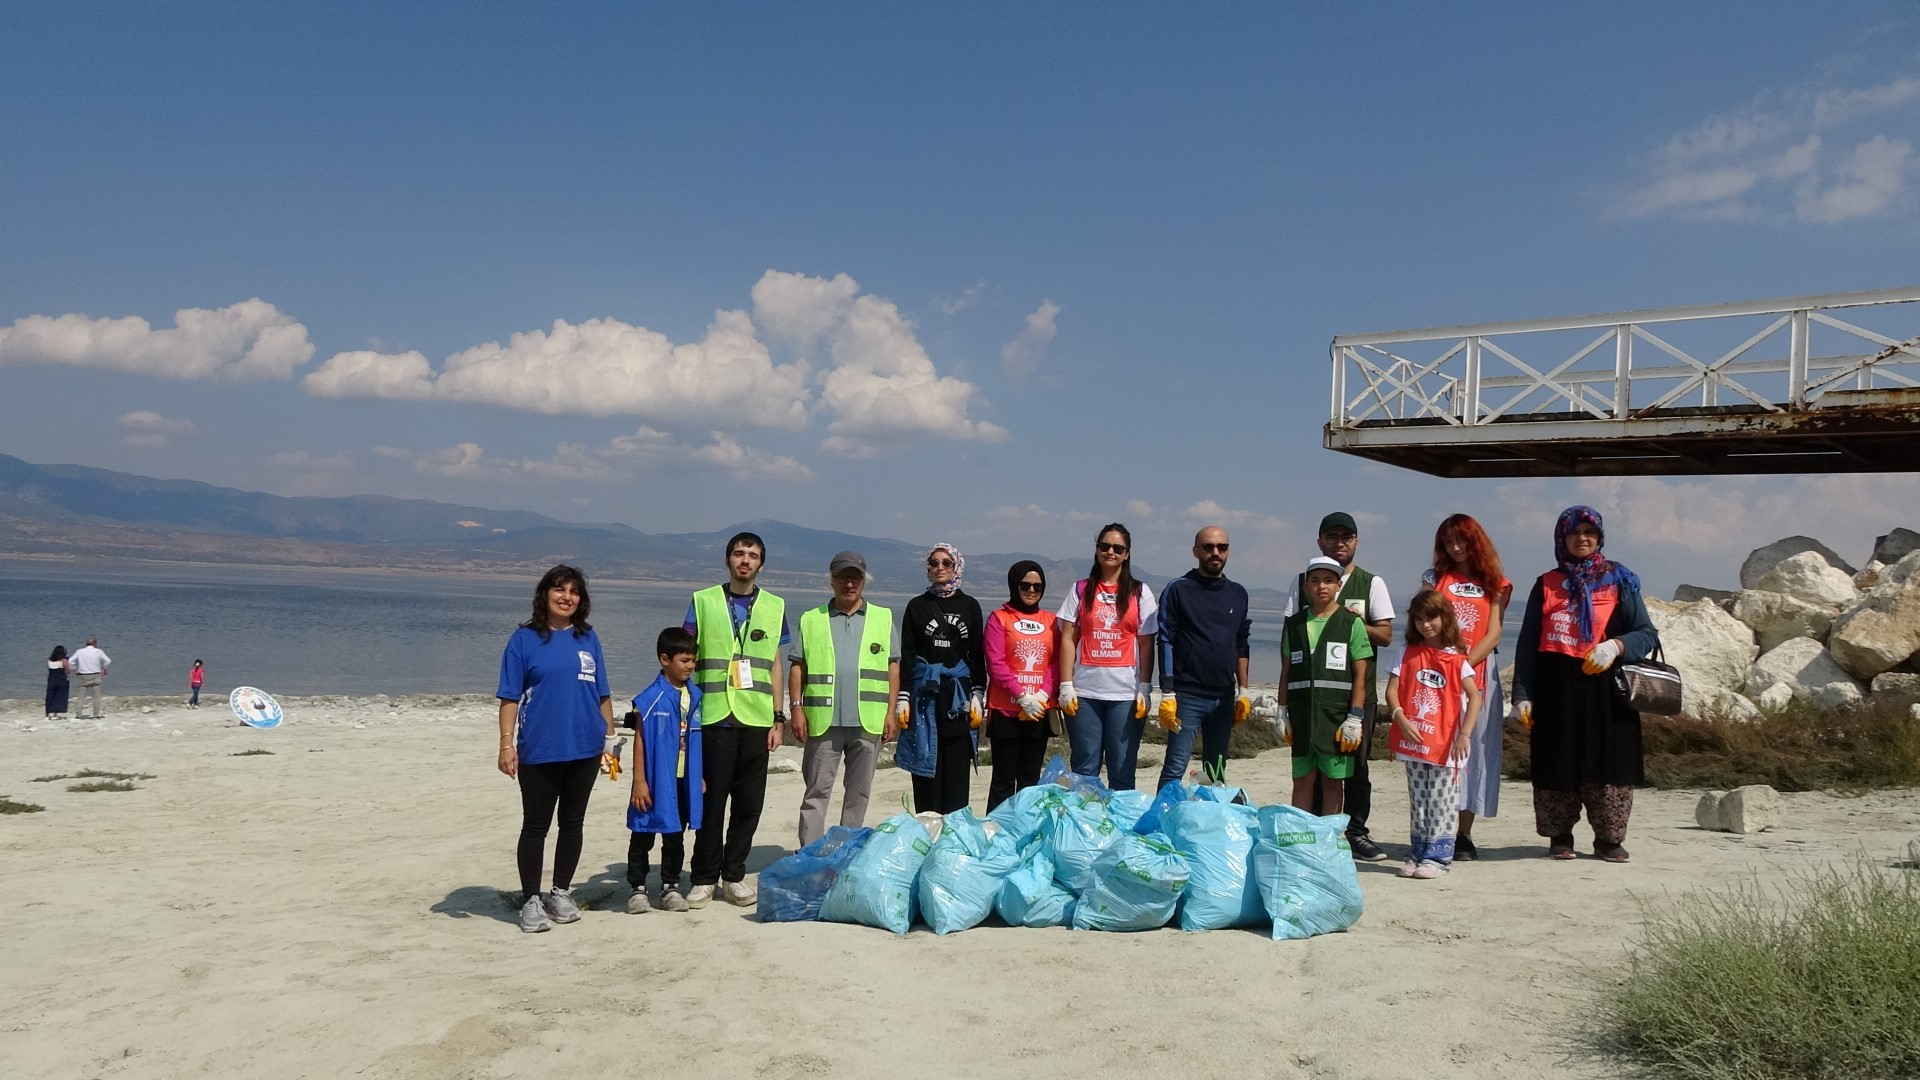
1582, 618
1466, 571
1435, 704
1021, 681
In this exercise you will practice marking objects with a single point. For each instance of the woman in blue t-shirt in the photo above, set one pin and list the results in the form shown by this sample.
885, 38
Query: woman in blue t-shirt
553, 689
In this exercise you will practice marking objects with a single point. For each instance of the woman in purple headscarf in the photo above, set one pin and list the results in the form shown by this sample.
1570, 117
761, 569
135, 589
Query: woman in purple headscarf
1583, 617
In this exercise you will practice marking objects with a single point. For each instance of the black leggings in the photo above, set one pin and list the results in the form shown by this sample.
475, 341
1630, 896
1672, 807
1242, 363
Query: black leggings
1017, 760
565, 784
946, 790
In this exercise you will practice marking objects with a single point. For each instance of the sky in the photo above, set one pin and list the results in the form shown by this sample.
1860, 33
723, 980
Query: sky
995, 274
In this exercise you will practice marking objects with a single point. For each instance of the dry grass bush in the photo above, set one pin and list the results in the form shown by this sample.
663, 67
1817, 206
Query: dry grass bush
1816, 980
15, 806
102, 785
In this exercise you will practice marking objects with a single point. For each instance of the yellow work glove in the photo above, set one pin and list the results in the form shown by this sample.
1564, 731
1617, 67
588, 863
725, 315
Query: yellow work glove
1601, 657
977, 709
1242, 706
1350, 735
1524, 710
1069, 701
1032, 705
903, 708
1140, 692
1168, 716
1285, 725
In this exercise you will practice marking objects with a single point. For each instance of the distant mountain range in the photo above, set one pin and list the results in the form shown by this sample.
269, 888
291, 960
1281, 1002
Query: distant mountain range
80, 512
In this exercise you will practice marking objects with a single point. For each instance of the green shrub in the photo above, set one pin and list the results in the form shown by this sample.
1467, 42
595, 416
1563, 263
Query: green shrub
88, 774
1817, 981
256, 752
102, 785
14, 806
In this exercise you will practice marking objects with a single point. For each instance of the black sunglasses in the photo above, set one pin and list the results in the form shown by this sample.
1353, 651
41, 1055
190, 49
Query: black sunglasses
1032, 586
1103, 547
1213, 547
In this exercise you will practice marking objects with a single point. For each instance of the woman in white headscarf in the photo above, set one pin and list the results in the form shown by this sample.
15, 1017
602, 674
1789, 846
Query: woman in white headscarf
944, 686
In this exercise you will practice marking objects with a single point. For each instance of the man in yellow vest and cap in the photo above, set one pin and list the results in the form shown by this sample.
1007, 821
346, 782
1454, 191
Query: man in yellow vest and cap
842, 674
739, 630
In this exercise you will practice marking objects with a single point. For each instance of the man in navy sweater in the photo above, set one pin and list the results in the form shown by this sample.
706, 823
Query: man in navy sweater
1204, 629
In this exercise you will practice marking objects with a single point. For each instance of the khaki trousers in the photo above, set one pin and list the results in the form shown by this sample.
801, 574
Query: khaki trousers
821, 762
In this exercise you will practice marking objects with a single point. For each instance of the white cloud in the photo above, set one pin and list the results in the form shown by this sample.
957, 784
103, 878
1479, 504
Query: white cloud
883, 387
249, 340
1140, 508
968, 297
1770, 159
1021, 355
801, 308
600, 367
147, 428
463, 461
309, 461
721, 452
622, 458
391, 451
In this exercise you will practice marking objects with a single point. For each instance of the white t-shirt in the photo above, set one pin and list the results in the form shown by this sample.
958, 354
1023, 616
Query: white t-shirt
1111, 683
1378, 602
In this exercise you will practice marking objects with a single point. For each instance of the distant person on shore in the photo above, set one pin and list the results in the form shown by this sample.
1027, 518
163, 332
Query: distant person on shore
1205, 631
1466, 570
943, 687
195, 679
1107, 625
556, 720
1435, 702
58, 684
1326, 654
1582, 618
1022, 654
91, 664
842, 676
1366, 596
739, 631
667, 766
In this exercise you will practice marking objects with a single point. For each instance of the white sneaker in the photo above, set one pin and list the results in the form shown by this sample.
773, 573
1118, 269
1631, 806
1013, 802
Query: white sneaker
637, 903
671, 900
739, 894
560, 905
700, 897
533, 917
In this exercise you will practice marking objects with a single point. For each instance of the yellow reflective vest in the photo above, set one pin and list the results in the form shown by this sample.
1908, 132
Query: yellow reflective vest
817, 691
734, 670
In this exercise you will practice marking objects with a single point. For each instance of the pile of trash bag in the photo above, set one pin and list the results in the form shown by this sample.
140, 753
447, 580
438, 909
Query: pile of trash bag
1068, 852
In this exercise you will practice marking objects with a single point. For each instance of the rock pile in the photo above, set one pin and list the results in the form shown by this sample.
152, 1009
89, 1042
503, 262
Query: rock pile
1805, 629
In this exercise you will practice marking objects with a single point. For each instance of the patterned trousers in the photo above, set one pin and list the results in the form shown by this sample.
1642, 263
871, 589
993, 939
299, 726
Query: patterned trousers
1433, 800
1608, 806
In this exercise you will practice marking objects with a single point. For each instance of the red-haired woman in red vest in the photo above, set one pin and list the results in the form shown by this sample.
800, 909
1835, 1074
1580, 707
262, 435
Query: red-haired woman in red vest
1466, 570
1582, 618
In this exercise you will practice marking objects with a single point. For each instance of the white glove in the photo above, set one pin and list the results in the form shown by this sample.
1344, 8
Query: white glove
1140, 692
1069, 700
903, 708
1032, 706
977, 708
1602, 657
1284, 725
613, 745
1348, 737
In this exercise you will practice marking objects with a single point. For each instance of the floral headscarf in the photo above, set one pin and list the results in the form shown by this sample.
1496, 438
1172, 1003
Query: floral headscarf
959, 567
1585, 575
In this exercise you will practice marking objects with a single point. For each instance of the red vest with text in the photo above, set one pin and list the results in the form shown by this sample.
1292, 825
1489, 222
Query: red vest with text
1560, 619
1105, 639
1029, 642
1432, 694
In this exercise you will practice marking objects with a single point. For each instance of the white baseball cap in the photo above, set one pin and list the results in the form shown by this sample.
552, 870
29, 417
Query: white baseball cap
1321, 562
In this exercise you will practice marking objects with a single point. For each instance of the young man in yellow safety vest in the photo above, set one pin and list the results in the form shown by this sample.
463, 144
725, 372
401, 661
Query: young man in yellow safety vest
739, 631
841, 676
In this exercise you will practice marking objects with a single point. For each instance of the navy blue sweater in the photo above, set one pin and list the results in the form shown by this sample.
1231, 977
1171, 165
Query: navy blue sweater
1204, 631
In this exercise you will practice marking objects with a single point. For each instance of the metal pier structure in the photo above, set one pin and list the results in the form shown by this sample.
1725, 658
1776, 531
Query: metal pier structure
1770, 386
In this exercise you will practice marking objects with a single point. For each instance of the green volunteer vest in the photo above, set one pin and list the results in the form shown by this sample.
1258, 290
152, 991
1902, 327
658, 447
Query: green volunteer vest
1318, 696
718, 649
1358, 591
816, 685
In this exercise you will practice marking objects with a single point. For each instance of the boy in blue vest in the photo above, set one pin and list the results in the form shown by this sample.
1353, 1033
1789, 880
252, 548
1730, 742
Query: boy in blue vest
667, 787
1325, 656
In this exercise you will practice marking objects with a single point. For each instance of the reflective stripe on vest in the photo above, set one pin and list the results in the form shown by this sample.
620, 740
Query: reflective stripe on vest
1560, 621
1319, 702
1027, 643
718, 649
816, 686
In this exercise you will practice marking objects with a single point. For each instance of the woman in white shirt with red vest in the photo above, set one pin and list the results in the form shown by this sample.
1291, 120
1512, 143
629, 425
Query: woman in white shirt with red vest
1107, 625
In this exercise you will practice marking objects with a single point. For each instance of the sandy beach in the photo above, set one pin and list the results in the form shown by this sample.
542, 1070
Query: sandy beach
337, 908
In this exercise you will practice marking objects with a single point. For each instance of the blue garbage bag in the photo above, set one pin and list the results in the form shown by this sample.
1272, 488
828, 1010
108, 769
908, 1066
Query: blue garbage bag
1128, 807
876, 888
1029, 896
962, 874
1077, 833
1173, 792
1139, 885
1056, 774
1217, 839
1221, 793
1022, 815
794, 888
1305, 872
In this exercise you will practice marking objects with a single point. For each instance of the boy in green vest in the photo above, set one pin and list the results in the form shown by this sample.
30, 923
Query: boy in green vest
842, 675
1325, 655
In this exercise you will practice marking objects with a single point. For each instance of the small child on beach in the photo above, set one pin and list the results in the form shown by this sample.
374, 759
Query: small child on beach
195, 679
667, 787
1325, 660
1435, 703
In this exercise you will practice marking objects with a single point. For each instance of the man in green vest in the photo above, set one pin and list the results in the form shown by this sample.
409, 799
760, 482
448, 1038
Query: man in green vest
739, 631
1366, 596
842, 674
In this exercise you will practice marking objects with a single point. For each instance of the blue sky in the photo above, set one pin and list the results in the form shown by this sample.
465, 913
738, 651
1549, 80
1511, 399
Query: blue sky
992, 274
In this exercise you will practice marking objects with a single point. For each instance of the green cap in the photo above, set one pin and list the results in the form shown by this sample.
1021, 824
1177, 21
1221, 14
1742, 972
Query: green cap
1339, 519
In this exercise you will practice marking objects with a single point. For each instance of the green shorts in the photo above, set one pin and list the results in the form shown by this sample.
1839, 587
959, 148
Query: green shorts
1330, 766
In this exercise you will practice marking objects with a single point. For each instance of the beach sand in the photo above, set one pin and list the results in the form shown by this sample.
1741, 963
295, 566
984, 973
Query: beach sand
337, 908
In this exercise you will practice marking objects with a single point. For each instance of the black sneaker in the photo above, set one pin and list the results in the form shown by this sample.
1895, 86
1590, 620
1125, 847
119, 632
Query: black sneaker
1365, 849
1464, 849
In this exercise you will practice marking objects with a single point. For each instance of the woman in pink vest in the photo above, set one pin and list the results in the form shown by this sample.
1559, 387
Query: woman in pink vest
1107, 624
1021, 680
1582, 618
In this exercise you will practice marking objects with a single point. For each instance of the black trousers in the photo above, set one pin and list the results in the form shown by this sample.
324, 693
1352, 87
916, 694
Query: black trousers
673, 855
1359, 788
565, 785
1017, 760
947, 789
734, 761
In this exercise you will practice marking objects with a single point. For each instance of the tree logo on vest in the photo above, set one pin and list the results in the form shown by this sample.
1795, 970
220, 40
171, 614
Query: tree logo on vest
1030, 653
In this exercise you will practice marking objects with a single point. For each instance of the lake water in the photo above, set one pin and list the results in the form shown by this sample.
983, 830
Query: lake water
303, 632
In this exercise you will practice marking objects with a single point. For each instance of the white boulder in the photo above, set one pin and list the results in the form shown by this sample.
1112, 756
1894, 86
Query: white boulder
1750, 809
1710, 647
1775, 617
1761, 560
1883, 630
1869, 575
1809, 577
1799, 671
1900, 687
1713, 703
